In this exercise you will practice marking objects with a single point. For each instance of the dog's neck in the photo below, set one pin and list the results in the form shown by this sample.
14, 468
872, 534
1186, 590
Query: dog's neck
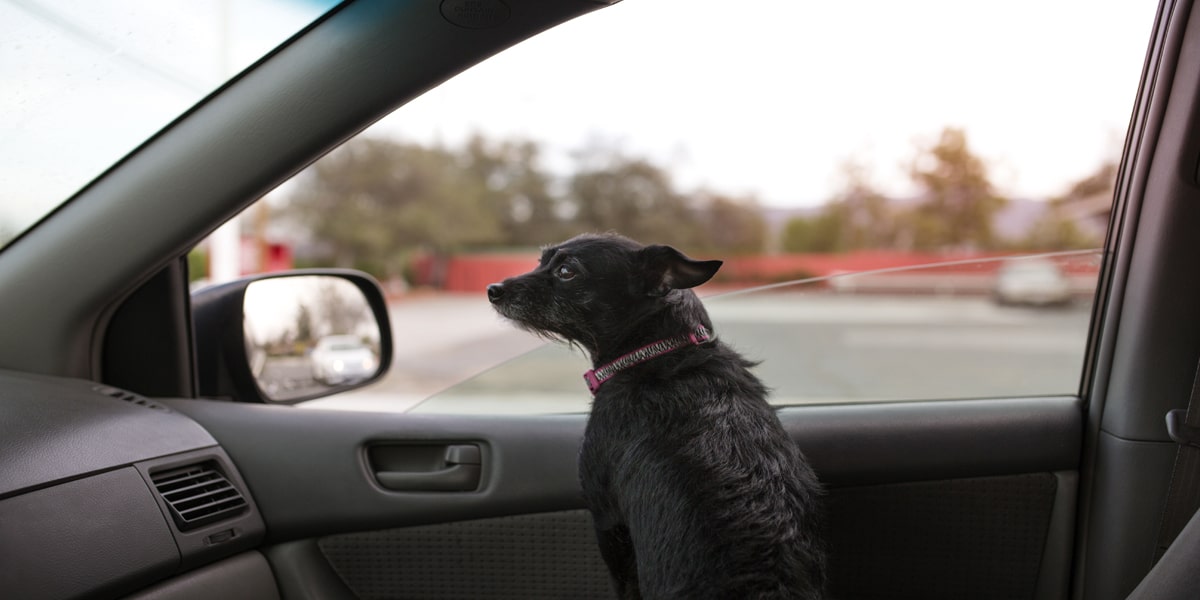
674, 317
596, 377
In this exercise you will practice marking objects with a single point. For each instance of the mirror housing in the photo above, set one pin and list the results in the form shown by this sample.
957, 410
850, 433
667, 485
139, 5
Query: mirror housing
290, 336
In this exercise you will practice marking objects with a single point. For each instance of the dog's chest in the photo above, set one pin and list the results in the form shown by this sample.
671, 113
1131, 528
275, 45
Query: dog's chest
623, 442
600, 453
612, 441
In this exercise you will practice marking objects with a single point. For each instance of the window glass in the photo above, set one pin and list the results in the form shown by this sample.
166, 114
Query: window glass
919, 191
111, 86
996, 327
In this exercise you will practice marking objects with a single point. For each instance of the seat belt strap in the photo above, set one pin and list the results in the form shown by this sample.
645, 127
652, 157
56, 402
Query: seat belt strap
1183, 495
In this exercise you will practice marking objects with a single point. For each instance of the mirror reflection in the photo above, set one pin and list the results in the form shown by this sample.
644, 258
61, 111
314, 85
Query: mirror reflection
306, 335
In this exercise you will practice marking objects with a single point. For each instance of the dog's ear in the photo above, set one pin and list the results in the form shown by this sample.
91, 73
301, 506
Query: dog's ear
665, 268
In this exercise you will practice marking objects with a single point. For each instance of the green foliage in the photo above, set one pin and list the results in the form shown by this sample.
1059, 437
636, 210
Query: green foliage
819, 233
857, 217
515, 189
958, 201
1053, 231
1057, 229
1100, 182
197, 262
633, 197
954, 209
304, 331
731, 226
374, 203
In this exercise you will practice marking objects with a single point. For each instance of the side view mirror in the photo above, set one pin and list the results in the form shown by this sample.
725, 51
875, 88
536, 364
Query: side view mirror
291, 336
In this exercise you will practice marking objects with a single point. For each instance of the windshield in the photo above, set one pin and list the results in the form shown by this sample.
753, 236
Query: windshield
120, 70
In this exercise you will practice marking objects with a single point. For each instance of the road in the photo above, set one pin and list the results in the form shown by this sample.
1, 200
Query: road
814, 348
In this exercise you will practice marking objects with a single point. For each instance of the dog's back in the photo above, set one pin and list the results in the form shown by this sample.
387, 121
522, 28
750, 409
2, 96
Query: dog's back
715, 498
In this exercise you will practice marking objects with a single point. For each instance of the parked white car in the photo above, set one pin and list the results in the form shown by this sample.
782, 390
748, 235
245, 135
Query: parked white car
1032, 281
342, 359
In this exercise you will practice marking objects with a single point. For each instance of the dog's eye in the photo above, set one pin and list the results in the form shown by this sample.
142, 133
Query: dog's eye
564, 273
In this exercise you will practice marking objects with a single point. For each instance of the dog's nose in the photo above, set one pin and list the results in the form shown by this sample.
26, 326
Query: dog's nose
495, 291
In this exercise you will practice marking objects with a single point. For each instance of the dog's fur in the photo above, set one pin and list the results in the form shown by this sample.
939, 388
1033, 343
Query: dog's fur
695, 489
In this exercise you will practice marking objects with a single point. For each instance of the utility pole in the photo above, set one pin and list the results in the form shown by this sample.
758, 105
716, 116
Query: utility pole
225, 244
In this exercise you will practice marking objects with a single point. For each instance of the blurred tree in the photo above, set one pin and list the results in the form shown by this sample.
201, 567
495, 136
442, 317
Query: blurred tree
633, 197
342, 309
821, 232
1055, 231
1099, 182
957, 199
513, 185
304, 331
918, 229
730, 226
1061, 226
857, 217
861, 214
372, 201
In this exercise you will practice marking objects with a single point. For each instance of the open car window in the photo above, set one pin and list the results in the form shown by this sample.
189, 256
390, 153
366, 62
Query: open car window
987, 328
912, 239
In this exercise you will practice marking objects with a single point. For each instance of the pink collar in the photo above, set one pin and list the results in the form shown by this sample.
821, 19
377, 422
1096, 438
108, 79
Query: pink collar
595, 377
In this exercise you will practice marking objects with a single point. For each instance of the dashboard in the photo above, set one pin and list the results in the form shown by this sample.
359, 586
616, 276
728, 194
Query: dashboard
105, 493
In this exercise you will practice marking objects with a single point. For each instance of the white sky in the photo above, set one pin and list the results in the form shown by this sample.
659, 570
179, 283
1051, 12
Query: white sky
754, 97
768, 98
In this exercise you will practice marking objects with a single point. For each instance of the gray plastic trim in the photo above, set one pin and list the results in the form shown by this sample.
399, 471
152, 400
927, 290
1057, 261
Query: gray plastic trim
243, 577
56, 429
1130, 492
304, 573
307, 468
1054, 579
93, 537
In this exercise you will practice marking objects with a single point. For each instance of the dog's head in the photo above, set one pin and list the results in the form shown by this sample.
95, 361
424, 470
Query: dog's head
593, 289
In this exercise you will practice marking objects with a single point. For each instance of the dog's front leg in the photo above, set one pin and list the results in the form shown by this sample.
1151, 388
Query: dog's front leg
617, 550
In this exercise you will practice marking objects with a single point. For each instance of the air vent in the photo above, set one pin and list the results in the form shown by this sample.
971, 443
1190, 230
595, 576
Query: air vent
129, 397
198, 495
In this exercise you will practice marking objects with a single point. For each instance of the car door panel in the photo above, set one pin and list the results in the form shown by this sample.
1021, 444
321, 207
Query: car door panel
542, 555
245, 576
970, 498
979, 537
310, 465
920, 497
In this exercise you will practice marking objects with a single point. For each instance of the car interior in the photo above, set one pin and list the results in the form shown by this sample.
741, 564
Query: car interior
140, 459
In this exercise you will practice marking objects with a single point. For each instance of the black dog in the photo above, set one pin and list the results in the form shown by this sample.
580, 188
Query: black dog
695, 489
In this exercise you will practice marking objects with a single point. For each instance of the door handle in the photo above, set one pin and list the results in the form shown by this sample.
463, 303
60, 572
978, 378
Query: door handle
448, 468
